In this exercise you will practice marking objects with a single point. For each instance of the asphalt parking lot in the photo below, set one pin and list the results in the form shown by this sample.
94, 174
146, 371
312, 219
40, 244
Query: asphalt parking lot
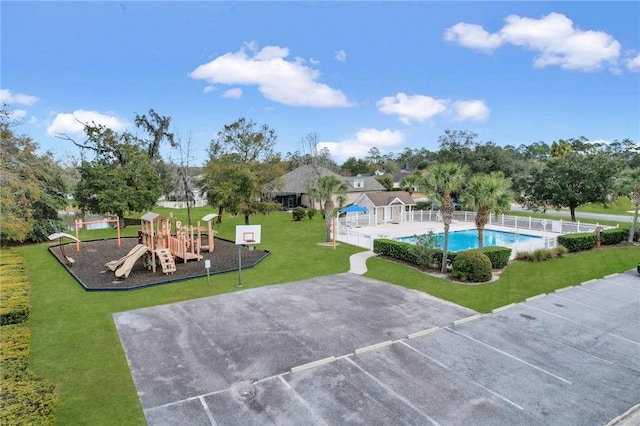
344, 349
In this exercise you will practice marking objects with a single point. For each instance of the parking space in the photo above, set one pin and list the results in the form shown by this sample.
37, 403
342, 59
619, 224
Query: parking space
344, 349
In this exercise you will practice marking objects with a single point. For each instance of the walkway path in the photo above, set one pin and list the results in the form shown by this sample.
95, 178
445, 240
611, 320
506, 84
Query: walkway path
358, 262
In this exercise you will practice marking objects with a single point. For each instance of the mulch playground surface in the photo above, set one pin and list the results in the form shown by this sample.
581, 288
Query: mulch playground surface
89, 270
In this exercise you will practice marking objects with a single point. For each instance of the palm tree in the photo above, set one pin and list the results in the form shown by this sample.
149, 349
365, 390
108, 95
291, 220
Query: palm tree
409, 182
326, 187
627, 183
487, 194
440, 182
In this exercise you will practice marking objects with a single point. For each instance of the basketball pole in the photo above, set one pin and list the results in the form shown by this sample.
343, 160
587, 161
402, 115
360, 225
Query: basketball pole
240, 265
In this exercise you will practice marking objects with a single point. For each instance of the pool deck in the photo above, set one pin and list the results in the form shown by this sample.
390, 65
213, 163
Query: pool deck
363, 236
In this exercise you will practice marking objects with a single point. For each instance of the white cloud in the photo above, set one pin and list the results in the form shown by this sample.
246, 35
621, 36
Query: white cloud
235, 93
633, 63
366, 138
279, 80
17, 114
554, 37
474, 110
420, 108
340, 55
208, 89
6, 97
73, 123
412, 107
472, 36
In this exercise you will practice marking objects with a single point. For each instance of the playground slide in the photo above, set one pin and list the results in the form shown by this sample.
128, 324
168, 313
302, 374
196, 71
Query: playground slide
131, 259
113, 265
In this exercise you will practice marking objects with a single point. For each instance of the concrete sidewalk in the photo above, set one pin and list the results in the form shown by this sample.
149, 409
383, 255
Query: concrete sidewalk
358, 262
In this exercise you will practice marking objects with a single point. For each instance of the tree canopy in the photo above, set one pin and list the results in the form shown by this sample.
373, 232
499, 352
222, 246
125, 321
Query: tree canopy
120, 178
32, 188
242, 169
572, 180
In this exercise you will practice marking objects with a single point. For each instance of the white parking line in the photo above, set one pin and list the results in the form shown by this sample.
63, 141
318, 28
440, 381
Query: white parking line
500, 351
392, 392
606, 294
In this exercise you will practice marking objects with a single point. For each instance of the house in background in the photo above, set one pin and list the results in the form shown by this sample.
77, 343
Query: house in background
297, 184
386, 207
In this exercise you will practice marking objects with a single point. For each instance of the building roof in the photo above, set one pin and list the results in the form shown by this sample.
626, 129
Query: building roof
300, 180
389, 198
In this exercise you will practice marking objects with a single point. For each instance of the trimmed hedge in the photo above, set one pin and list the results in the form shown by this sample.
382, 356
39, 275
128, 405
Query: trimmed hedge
615, 236
471, 265
14, 300
499, 256
25, 399
406, 253
578, 242
15, 344
396, 249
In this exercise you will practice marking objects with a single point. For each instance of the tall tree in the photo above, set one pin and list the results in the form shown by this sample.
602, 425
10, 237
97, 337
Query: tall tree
627, 183
158, 128
355, 166
440, 182
326, 188
456, 146
241, 163
186, 187
32, 188
486, 193
120, 178
560, 148
572, 180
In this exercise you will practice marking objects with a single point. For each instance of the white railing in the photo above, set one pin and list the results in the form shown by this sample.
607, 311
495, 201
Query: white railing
518, 222
350, 232
181, 204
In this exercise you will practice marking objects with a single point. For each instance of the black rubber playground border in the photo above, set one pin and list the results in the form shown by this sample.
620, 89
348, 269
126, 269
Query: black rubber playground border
89, 271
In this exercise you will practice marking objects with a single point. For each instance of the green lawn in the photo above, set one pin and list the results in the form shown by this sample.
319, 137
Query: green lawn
74, 340
518, 281
75, 343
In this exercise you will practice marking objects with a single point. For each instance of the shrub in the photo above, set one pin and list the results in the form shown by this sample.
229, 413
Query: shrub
26, 398
579, 241
499, 256
471, 265
541, 255
298, 213
396, 249
14, 300
560, 251
615, 236
311, 213
15, 343
424, 249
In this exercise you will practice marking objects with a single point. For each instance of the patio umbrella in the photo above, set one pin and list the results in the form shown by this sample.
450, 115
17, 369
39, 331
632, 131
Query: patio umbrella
353, 209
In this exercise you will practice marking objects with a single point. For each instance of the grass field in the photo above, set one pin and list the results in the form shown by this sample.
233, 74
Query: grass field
75, 343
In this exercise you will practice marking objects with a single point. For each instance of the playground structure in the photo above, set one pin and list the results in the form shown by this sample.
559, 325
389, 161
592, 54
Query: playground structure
163, 240
79, 223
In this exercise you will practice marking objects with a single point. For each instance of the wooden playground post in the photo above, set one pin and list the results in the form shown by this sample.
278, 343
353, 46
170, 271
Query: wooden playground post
78, 223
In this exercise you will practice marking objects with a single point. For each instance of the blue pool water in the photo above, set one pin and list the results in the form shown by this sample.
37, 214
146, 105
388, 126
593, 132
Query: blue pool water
465, 240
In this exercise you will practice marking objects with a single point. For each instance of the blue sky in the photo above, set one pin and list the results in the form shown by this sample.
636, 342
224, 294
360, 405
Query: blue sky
389, 75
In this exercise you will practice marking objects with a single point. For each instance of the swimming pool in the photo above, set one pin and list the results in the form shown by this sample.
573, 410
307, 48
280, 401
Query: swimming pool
468, 239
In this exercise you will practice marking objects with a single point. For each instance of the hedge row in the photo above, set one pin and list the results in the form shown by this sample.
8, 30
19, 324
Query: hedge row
499, 256
578, 242
615, 236
25, 399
